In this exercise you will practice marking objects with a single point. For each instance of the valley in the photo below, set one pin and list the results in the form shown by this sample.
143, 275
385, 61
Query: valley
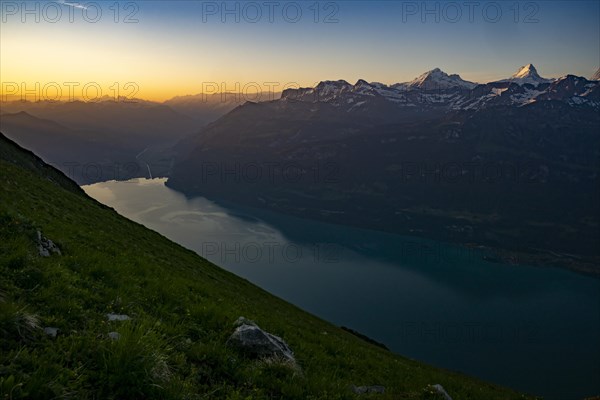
353, 200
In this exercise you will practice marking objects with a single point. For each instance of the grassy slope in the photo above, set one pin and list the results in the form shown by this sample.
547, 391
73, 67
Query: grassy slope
182, 306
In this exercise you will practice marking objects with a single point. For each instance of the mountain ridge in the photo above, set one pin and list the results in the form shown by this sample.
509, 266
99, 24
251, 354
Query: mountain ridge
544, 133
435, 88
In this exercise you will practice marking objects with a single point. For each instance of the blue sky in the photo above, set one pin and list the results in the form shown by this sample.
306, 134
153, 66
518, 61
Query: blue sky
176, 45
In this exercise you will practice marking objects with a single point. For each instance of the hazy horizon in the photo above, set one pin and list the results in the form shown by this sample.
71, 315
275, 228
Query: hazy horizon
247, 90
169, 49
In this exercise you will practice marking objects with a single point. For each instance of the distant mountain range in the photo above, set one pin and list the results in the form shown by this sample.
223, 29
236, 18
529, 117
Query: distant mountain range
123, 121
510, 164
206, 108
435, 89
96, 141
113, 139
59, 143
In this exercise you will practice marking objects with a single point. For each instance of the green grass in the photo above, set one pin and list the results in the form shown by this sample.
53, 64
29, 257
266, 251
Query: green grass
182, 308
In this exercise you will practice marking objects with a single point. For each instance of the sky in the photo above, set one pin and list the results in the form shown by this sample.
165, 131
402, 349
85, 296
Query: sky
160, 49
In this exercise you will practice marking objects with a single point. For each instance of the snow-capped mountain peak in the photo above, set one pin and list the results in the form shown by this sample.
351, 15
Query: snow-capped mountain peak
438, 79
526, 71
527, 74
596, 76
324, 91
327, 88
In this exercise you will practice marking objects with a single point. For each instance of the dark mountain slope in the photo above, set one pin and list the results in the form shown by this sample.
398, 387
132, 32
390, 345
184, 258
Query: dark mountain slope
27, 160
511, 166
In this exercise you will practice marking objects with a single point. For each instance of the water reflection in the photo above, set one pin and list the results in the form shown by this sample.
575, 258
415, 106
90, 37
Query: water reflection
443, 304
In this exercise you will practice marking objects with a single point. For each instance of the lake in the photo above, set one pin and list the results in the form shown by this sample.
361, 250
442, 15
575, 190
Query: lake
530, 328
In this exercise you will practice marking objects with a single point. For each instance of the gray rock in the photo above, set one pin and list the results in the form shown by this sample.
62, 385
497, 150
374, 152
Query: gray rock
50, 331
368, 389
118, 317
43, 252
46, 247
114, 335
243, 321
252, 340
440, 389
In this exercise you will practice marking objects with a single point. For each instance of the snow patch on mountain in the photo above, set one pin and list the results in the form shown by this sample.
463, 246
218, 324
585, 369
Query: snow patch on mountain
529, 96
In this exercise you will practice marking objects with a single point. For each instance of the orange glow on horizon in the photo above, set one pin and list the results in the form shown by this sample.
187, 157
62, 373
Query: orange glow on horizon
57, 90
